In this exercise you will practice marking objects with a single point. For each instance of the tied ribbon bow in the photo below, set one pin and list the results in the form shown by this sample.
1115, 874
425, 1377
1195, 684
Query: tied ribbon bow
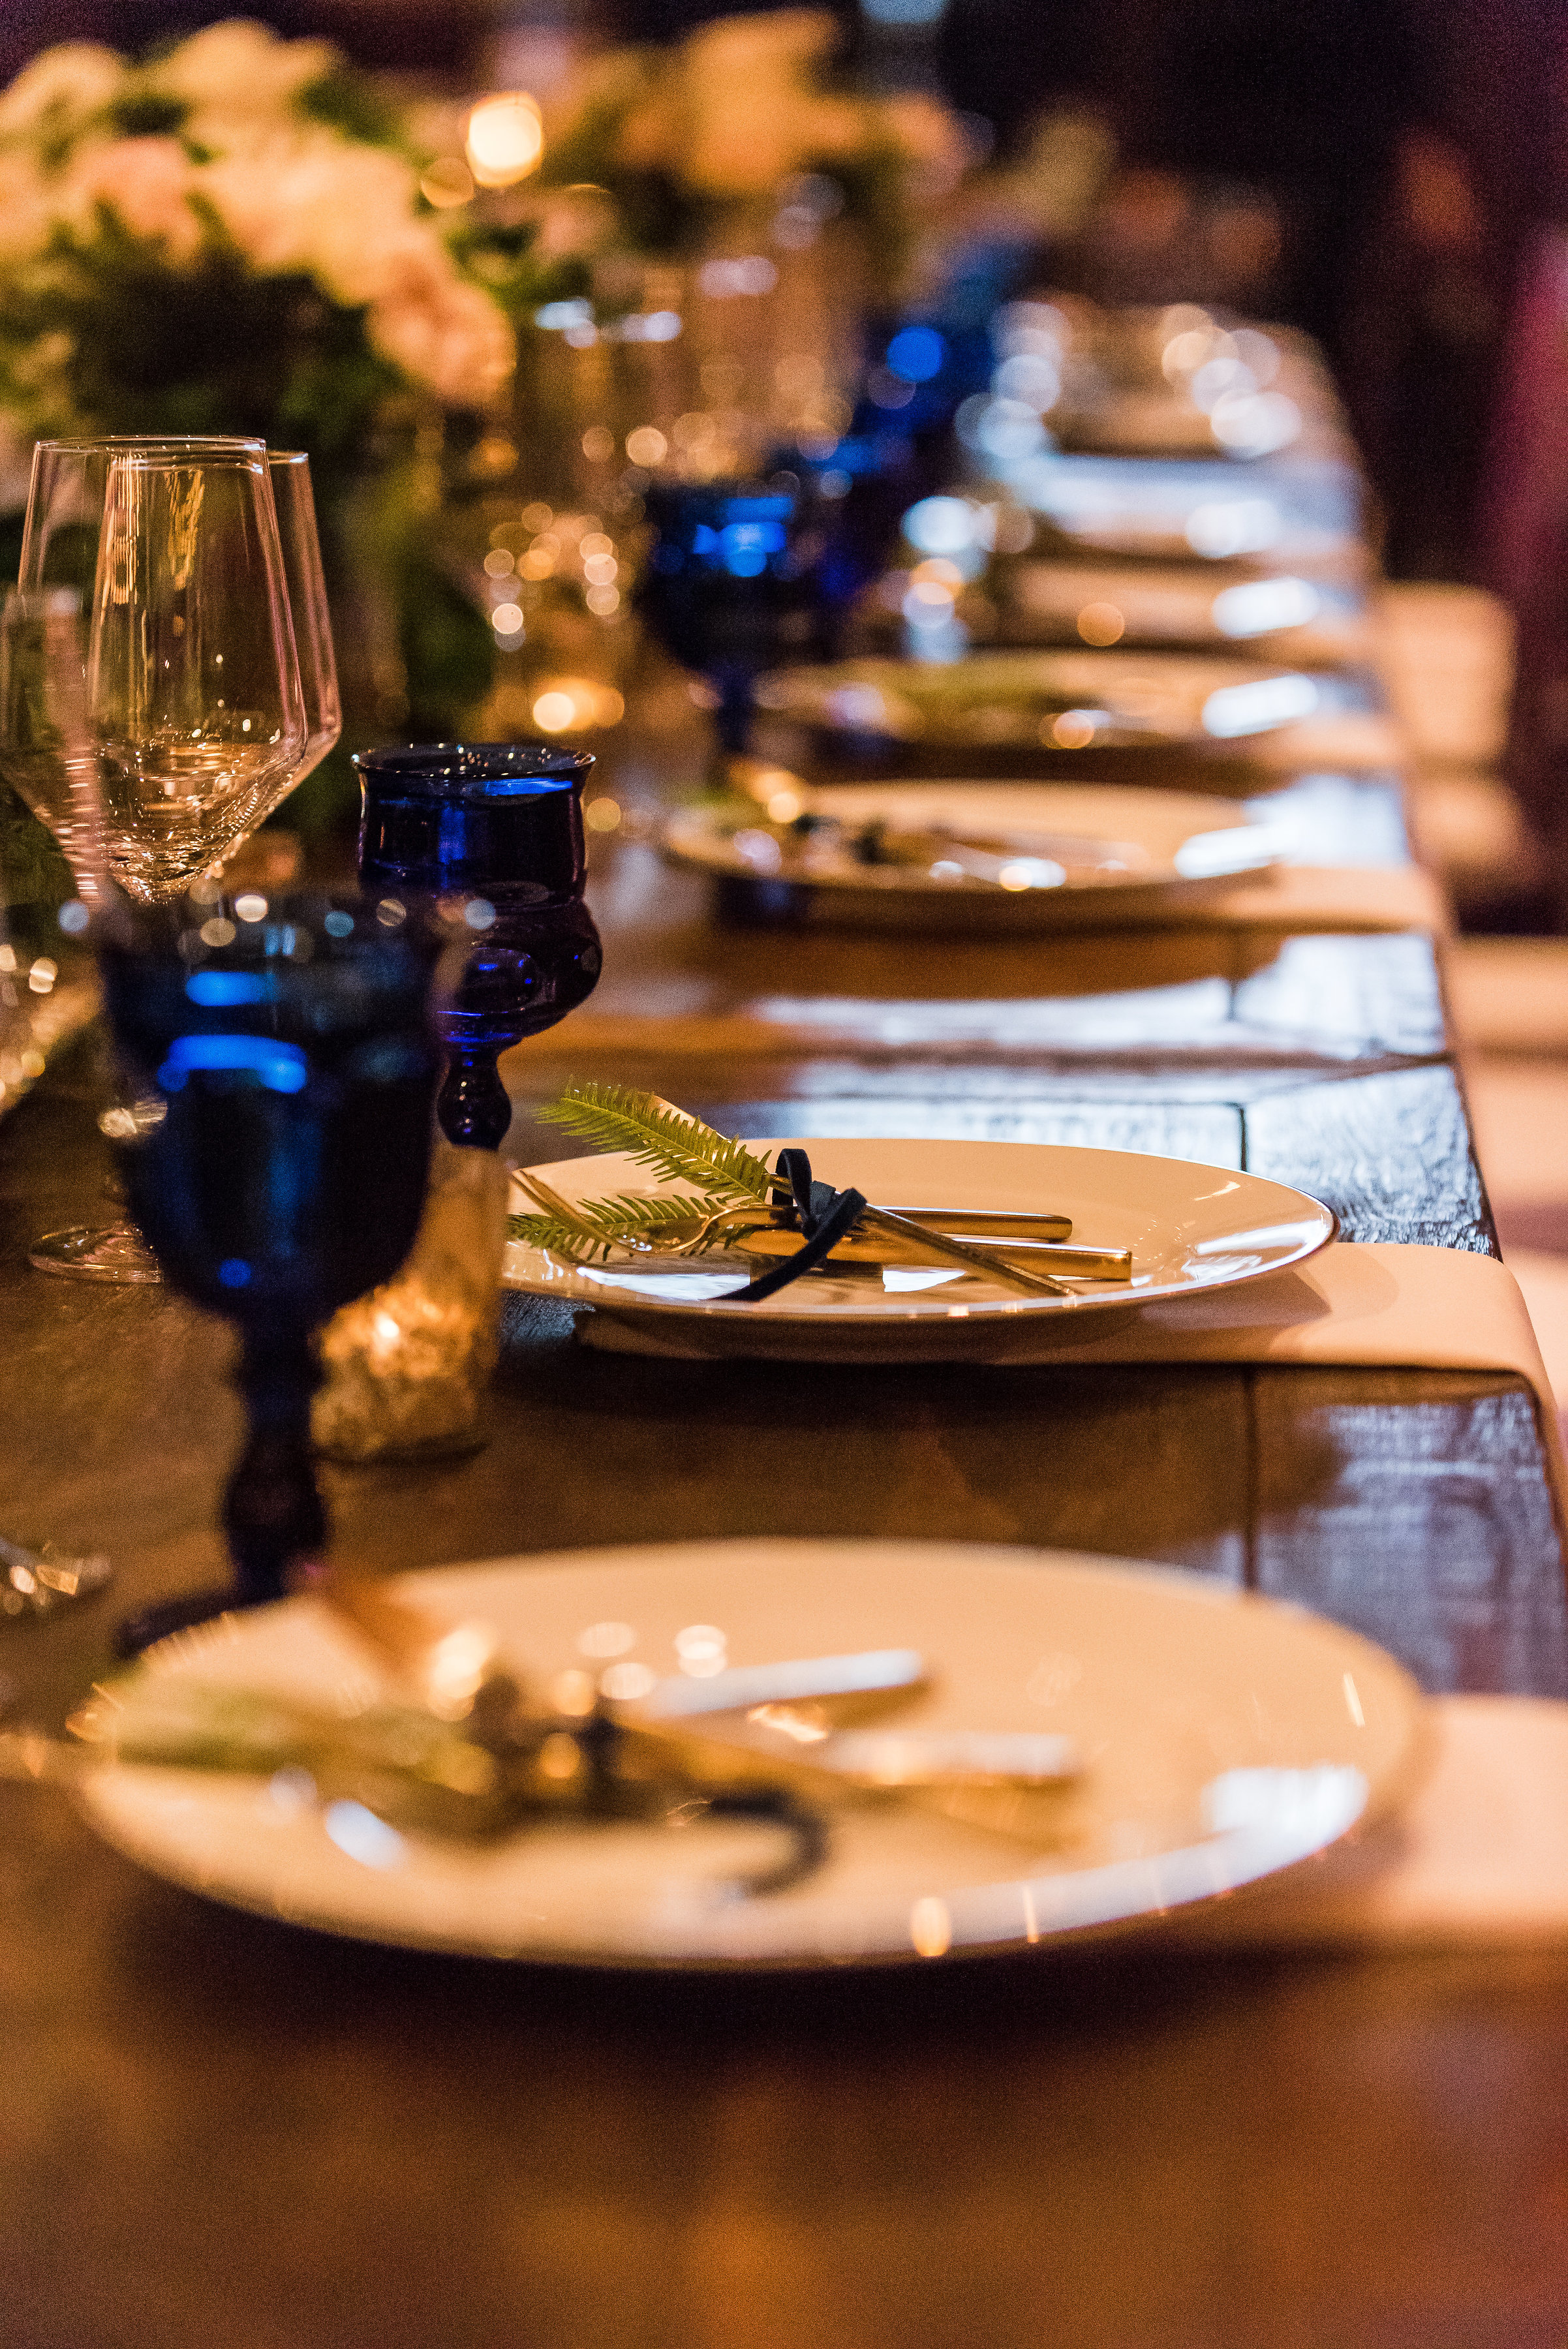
825, 1215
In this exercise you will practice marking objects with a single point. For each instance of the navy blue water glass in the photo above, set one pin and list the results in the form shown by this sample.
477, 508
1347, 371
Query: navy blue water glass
498, 827
744, 575
283, 1060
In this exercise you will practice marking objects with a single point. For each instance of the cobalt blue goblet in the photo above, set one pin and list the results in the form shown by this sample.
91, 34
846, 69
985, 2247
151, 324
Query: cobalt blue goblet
745, 575
283, 1061
500, 826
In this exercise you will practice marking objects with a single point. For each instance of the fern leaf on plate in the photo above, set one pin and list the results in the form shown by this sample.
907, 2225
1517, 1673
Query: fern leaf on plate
655, 1133
590, 1230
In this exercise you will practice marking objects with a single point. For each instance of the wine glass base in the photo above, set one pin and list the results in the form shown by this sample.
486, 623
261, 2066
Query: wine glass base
114, 1252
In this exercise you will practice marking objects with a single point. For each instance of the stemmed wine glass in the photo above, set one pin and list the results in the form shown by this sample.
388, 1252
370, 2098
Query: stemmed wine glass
306, 583
284, 1059
745, 574
501, 825
151, 704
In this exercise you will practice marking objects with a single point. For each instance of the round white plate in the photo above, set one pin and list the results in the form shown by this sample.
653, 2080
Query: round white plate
1191, 1229
1055, 701
1069, 856
1226, 1737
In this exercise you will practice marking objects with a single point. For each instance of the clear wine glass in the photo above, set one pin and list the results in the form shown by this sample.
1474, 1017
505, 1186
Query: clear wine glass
185, 708
151, 708
306, 583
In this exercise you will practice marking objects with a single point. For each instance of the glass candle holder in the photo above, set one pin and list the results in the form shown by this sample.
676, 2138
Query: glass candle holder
406, 1369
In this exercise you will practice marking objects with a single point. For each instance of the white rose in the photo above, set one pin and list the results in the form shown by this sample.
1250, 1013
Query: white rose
747, 143
242, 68
928, 133
146, 182
733, 52
28, 208
451, 337
74, 80
344, 215
753, 111
340, 213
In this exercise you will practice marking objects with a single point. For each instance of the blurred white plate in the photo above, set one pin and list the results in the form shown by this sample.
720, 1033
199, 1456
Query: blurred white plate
1280, 617
1052, 702
1052, 856
1191, 1229
1301, 511
1226, 1737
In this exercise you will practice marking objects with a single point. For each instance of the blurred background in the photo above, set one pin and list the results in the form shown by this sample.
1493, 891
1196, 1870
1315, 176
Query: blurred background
488, 402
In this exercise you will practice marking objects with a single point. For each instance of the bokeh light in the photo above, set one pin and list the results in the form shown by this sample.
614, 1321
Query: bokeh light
505, 139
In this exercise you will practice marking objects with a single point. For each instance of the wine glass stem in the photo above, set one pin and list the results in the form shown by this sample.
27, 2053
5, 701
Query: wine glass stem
272, 1513
737, 707
475, 1108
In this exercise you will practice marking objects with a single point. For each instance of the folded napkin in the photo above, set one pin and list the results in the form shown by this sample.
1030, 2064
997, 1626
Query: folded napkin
1301, 899
1477, 1859
1382, 1304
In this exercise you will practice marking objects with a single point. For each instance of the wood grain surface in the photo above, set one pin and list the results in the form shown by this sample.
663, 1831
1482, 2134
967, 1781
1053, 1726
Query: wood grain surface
214, 2128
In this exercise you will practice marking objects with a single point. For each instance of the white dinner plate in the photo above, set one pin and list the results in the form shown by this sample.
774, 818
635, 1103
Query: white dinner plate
1021, 703
1058, 856
1307, 511
1278, 616
1191, 1229
1224, 1736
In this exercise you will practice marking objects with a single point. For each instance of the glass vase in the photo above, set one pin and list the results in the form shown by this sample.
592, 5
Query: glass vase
406, 1369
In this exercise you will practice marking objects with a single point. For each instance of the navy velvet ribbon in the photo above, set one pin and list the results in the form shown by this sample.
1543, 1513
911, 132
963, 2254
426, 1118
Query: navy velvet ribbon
825, 1215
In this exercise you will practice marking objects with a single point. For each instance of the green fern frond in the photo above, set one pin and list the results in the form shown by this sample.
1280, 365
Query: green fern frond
655, 1133
596, 1227
574, 1241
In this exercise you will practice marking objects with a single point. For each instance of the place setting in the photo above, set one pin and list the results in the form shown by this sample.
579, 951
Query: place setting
771, 1472
313, 1117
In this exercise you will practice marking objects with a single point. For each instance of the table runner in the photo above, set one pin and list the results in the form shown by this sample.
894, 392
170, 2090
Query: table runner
1478, 1857
1375, 1304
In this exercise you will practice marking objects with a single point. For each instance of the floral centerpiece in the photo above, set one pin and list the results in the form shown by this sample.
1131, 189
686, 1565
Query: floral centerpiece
232, 237
742, 108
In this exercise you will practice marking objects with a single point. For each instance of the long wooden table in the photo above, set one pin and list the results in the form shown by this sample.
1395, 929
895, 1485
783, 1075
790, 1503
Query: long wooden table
214, 2128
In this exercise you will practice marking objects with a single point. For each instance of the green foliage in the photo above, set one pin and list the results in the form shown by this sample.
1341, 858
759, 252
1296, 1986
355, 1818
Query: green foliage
590, 1230
447, 645
148, 114
352, 104
655, 1133
208, 349
34, 878
500, 256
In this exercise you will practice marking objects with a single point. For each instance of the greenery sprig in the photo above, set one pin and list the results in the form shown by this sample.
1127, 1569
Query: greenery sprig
720, 1172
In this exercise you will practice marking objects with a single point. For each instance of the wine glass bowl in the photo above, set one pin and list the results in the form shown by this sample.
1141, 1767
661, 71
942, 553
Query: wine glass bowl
283, 1061
744, 574
306, 583
154, 708
193, 702
150, 674
497, 827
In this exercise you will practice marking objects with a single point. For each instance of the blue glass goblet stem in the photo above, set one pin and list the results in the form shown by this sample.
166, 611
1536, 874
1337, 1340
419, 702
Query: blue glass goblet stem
496, 827
283, 1068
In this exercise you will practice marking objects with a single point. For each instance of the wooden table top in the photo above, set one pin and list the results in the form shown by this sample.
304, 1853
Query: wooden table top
217, 2129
